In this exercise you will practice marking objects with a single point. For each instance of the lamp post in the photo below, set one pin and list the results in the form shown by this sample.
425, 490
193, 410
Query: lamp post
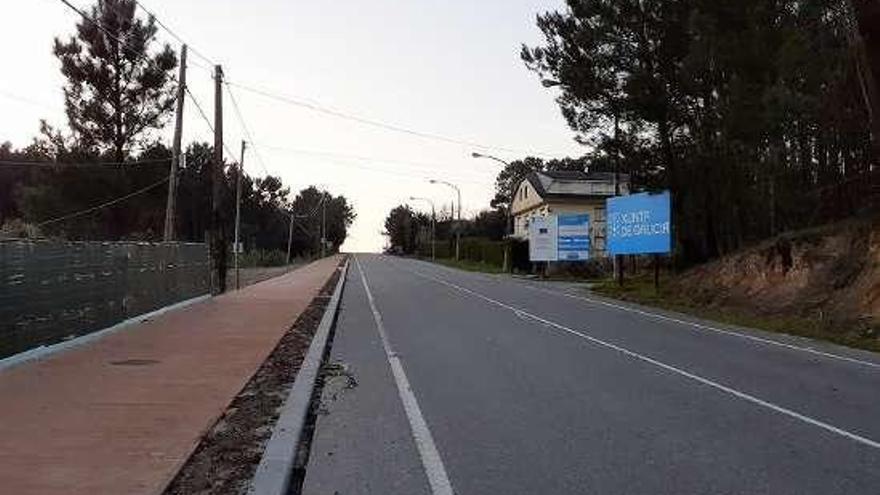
324, 225
290, 235
509, 226
433, 220
457, 230
235, 248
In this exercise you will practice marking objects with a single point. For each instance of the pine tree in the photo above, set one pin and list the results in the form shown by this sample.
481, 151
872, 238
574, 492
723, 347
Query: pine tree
117, 90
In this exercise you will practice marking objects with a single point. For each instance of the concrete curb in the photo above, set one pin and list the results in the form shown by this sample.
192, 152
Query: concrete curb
49, 350
274, 472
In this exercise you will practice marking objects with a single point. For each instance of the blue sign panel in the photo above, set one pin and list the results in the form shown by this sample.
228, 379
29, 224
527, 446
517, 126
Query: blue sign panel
639, 223
573, 237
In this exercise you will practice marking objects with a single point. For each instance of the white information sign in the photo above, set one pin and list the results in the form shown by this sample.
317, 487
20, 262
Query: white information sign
543, 239
573, 237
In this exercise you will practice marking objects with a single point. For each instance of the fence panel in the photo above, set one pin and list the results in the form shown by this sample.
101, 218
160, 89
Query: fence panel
51, 291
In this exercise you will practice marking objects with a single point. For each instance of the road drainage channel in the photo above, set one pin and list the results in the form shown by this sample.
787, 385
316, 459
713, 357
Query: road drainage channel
227, 457
334, 379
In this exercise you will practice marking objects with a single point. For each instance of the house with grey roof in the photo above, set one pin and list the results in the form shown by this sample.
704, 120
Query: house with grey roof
567, 192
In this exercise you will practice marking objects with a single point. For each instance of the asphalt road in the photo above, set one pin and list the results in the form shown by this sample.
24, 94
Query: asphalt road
476, 384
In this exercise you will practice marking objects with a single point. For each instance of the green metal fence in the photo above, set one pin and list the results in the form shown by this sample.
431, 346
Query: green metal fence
51, 291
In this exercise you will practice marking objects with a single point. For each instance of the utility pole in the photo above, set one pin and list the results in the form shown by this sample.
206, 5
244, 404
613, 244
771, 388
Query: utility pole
290, 237
171, 204
218, 247
324, 225
238, 213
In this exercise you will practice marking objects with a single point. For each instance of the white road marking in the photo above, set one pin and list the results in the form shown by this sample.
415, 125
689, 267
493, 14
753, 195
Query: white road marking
701, 326
705, 381
431, 461
754, 338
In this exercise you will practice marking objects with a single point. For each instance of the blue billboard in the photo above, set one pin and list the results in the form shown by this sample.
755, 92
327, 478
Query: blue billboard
573, 237
639, 224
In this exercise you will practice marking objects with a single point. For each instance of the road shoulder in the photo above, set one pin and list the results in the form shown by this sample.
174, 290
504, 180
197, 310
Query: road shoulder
362, 442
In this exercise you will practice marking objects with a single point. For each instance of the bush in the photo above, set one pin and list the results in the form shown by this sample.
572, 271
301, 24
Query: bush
262, 257
19, 229
482, 250
476, 249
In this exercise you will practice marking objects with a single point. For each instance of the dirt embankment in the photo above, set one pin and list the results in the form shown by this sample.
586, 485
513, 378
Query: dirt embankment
830, 274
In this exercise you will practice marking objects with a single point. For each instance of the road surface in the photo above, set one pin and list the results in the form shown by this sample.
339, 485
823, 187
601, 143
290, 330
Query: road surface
456, 382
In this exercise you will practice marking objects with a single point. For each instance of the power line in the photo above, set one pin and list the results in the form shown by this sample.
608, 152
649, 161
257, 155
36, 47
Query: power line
193, 63
29, 101
247, 131
400, 173
82, 164
324, 195
199, 108
205, 118
103, 205
173, 34
427, 166
291, 217
312, 105
375, 123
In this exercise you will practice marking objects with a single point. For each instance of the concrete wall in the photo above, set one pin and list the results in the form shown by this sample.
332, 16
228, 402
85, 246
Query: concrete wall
55, 290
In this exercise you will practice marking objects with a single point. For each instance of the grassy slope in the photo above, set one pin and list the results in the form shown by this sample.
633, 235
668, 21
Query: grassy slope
641, 291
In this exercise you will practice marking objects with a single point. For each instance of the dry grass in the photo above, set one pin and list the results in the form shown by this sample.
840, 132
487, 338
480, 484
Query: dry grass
856, 334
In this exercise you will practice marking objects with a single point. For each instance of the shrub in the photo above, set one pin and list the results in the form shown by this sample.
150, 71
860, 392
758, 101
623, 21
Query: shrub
262, 257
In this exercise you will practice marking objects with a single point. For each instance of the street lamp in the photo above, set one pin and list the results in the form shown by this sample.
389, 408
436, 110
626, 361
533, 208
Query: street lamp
509, 226
433, 219
490, 157
457, 233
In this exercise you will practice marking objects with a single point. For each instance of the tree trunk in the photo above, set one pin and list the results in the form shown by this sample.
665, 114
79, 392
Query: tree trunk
867, 13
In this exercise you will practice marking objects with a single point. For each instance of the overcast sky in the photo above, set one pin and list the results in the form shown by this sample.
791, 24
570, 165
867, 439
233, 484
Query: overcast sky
448, 68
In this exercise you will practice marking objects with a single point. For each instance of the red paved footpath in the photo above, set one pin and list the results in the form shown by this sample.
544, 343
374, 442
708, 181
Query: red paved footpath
74, 423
